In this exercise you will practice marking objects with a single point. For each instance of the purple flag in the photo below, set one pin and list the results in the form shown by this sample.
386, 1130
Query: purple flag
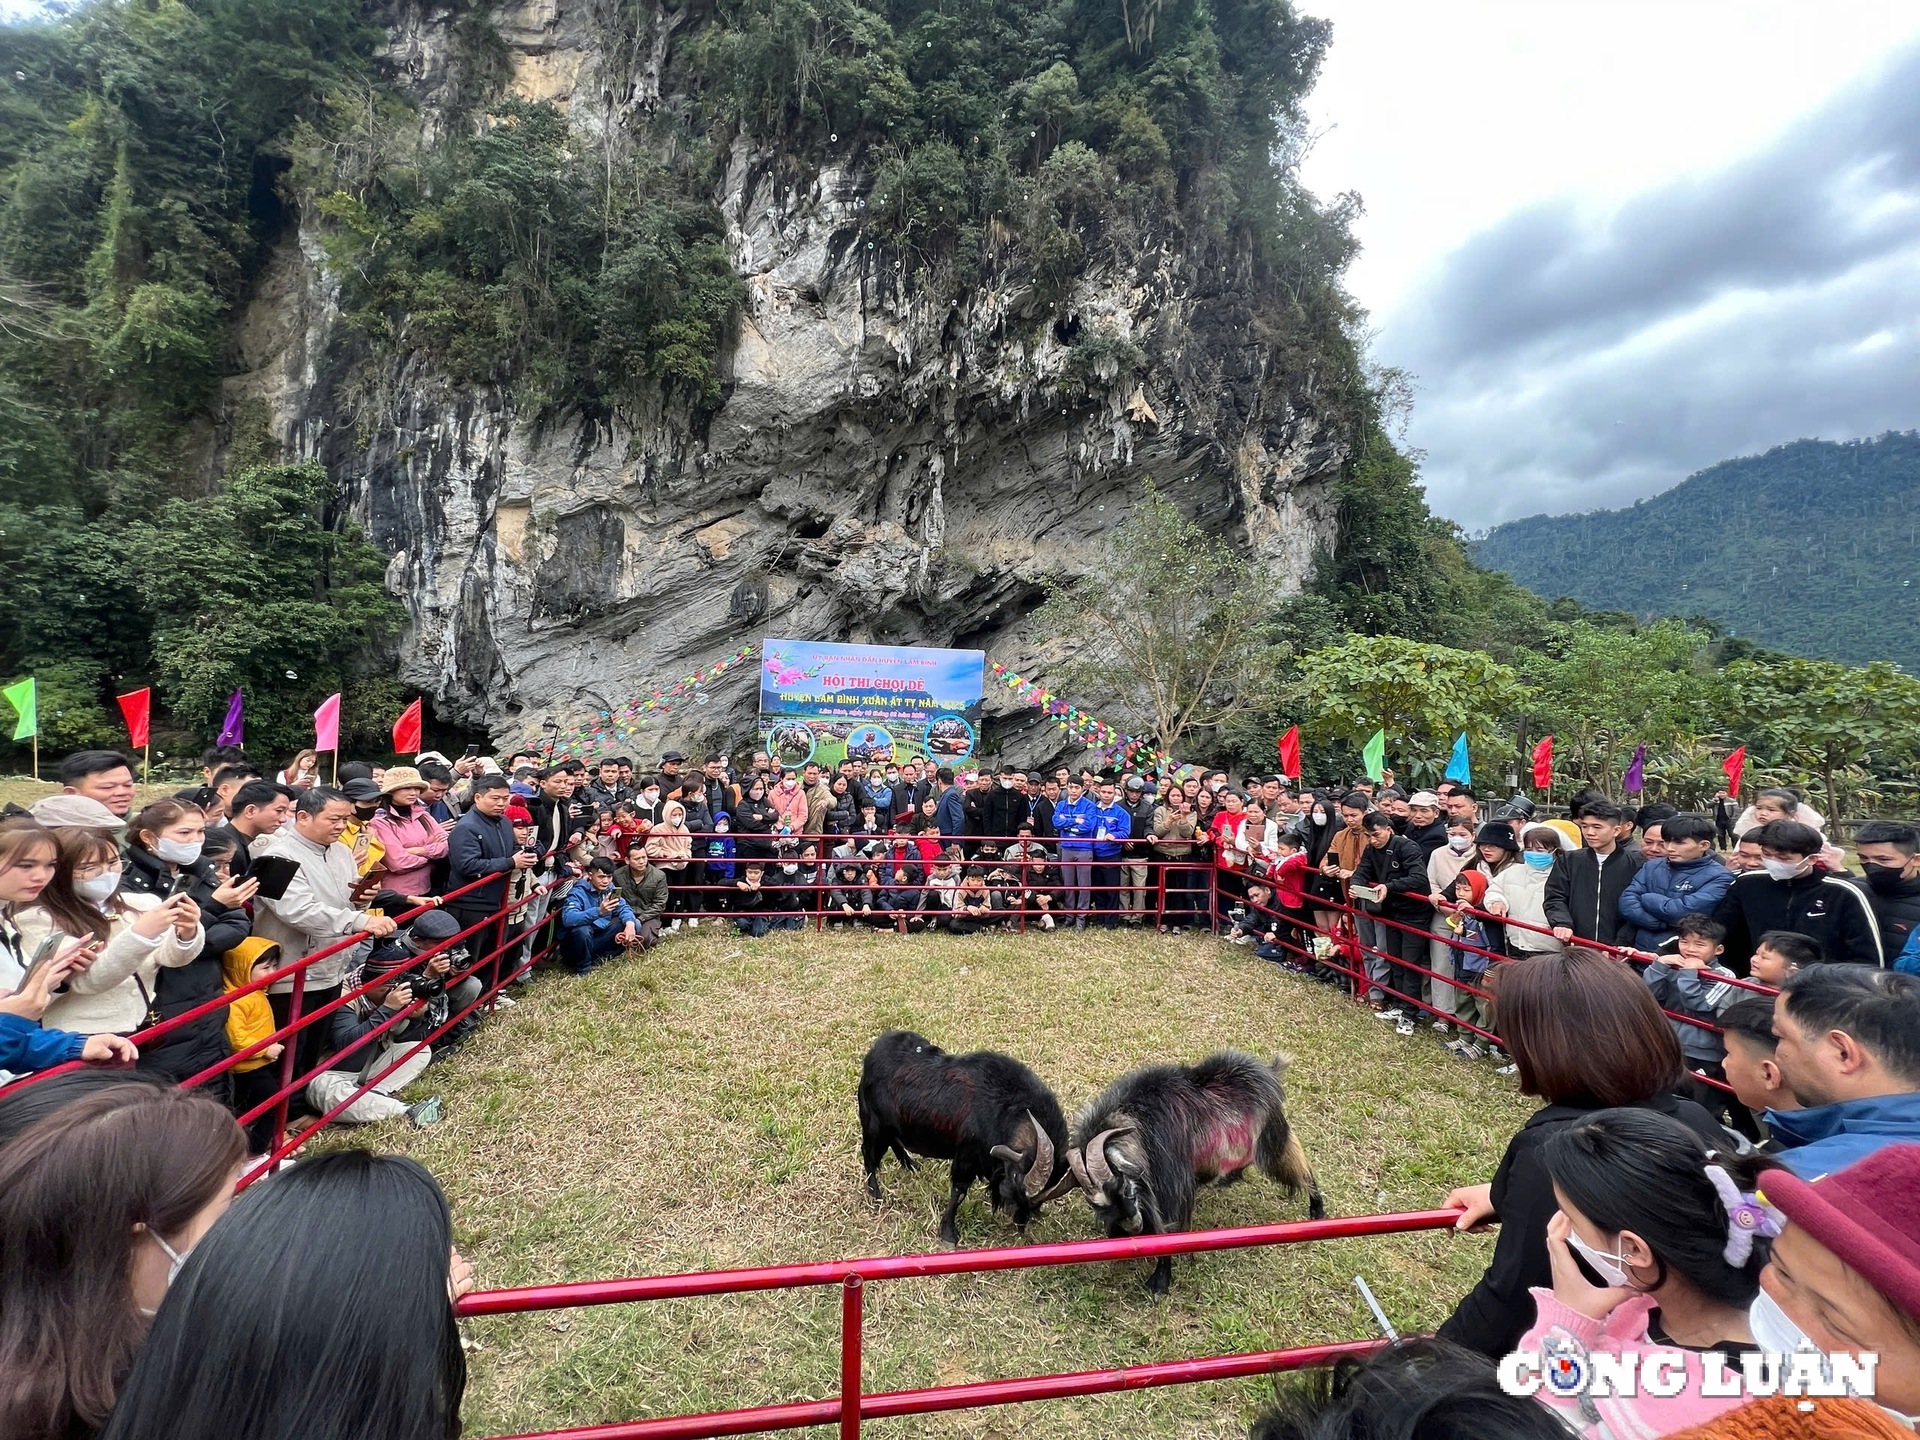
1636, 777
234, 730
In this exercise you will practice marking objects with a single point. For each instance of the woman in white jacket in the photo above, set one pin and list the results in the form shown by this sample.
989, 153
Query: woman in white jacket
139, 934
1520, 891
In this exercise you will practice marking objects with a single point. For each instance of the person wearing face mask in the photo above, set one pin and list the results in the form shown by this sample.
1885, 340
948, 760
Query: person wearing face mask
789, 803
99, 1204
1445, 865
1796, 891
165, 844
138, 935
1889, 855
1677, 1236
1519, 892
369, 855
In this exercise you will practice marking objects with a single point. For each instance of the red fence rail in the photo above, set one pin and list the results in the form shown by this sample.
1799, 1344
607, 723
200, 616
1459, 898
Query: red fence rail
853, 1276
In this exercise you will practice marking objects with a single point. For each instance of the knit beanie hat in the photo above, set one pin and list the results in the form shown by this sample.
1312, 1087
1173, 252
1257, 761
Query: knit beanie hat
1867, 1214
1787, 1417
519, 815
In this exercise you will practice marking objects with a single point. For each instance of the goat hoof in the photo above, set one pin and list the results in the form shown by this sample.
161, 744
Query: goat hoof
950, 1238
1316, 1209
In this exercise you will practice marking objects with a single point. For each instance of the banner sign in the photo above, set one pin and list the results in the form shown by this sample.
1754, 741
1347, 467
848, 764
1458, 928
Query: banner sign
833, 702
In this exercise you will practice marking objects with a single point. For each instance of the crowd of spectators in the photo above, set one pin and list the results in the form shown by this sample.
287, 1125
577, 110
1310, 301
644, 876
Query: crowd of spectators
1713, 1169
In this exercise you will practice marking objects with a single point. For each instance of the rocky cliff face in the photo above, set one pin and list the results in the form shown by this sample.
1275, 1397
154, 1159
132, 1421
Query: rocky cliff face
883, 469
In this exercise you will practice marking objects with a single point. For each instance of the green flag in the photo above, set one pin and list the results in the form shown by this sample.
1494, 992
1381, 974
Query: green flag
20, 696
1375, 756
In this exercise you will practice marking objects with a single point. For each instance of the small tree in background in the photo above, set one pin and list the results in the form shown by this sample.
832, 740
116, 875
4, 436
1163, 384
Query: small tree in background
1168, 621
1826, 721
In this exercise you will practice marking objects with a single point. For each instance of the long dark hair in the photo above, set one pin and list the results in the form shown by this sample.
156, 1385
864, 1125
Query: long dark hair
1424, 1388
1639, 1170
317, 1307
72, 1188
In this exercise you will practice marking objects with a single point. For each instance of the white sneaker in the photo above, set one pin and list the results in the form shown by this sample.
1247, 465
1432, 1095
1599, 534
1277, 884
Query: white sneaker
1508, 1069
674, 926
693, 924
1468, 1049
1392, 1012
1445, 1027
504, 1002
1046, 922
1404, 1027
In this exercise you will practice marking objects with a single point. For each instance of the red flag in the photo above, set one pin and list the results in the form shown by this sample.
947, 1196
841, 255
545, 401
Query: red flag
1735, 765
1290, 753
1543, 764
406, 731
137, 707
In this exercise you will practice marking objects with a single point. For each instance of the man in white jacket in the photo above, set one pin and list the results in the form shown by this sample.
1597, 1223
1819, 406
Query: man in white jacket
316, 911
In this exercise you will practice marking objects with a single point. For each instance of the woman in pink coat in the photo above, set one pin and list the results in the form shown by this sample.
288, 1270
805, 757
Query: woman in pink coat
414, 839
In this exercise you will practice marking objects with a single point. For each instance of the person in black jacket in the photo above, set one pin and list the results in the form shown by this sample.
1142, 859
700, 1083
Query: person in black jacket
1399, 865
1795, 891
1585, 885
1426, 825
1586, 1035
481, 845
166, 847
1889, 854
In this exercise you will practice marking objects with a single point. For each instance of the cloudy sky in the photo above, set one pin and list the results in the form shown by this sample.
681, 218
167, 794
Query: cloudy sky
1618, 242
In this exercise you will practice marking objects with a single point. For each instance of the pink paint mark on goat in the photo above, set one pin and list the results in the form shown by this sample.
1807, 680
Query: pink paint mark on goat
1226, 1146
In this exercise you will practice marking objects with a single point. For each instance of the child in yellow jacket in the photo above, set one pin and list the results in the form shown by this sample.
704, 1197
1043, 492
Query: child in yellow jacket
249, 1020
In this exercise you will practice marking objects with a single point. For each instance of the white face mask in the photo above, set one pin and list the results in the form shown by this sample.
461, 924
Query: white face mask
1611, 1268
1773, 1328
652, 797
173, 1269
178, 852
1459, 844
98, 889
1319, 817
1783, 869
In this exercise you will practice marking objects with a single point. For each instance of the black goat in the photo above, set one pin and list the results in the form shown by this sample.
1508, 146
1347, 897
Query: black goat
1153, 1137
987, 1113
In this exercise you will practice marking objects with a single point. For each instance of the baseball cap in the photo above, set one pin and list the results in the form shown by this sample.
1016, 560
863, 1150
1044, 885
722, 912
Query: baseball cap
672, 757
360, 791
1426, 798
434, 926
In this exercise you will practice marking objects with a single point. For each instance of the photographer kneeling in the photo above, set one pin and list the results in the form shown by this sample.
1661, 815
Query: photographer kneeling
595, 922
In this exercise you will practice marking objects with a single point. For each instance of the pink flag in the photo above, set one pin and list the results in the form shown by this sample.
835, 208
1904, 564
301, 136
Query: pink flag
326, 724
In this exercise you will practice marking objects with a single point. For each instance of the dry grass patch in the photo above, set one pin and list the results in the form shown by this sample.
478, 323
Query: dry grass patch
694, 1109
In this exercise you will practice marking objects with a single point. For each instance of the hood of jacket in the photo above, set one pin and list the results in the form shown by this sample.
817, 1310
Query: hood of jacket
1824, 1138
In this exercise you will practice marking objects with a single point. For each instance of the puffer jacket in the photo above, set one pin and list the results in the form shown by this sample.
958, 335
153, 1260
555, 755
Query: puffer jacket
112, 996
1662, 891
176, 990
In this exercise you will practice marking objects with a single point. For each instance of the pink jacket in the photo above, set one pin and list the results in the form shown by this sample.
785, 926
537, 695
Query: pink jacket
1624, 1332
409, 874
790, 805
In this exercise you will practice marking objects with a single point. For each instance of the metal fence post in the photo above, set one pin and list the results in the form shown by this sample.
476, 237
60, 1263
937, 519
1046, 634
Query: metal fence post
852, 1294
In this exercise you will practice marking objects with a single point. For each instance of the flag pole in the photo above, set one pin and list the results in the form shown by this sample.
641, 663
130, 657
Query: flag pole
36, 754
335, 752
146, 762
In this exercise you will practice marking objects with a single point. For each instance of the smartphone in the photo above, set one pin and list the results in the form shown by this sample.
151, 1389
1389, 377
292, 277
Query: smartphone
49, 947
471, 751
182, 883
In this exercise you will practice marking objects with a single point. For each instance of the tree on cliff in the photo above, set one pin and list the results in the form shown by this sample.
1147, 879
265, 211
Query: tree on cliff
1168, 620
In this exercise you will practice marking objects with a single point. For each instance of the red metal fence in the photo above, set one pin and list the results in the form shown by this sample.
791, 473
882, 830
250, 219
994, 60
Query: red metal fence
852, 1406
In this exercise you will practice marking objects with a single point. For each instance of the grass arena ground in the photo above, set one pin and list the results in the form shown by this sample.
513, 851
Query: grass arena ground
693, 1109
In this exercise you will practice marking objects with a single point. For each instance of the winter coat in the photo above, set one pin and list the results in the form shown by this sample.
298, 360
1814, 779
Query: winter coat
1896, 905
25, 1046
843, 816
1003, 811
1703, 994
790, 805
249, 1017
669, 846
1824, 1138
1830, 908
408, 873
951, 813
1664, 890
718, 852
478, 846
753, 822
316, 911
1584, 890
646, 897
112, 995
582, 912
199, 1043
1497, 1311
1400, 867
1172, 834
1429, 837
1524, 891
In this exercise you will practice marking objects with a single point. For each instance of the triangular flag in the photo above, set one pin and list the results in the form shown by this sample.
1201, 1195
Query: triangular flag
1457, 767
1635, 780
1543, 764
20, 695
233, 730
1374, 755
406, 731
1735, 766
1290, 753
137, 707
326, 725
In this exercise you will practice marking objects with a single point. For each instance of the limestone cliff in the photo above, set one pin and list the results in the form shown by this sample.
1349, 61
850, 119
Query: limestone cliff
882, 467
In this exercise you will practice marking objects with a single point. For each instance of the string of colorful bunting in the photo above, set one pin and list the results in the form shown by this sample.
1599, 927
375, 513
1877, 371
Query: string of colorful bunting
1111, 743
607, 728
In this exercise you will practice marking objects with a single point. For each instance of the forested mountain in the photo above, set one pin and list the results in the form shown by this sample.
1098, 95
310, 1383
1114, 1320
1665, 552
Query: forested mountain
1808, 548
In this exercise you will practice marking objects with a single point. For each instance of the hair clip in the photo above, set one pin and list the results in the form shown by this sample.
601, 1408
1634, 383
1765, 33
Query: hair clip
1747, 1216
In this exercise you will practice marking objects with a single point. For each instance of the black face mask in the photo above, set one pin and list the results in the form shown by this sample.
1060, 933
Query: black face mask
1884, 879
364, 815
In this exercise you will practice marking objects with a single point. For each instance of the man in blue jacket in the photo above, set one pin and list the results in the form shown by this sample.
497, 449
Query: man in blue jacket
950, 812
1074, 821
1848, 1047
1113, 823
595, 921
1690, 879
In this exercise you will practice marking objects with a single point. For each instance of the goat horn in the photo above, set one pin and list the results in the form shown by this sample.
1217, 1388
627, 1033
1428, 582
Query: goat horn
1042, 1170
1078, 1167
1097, 1166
